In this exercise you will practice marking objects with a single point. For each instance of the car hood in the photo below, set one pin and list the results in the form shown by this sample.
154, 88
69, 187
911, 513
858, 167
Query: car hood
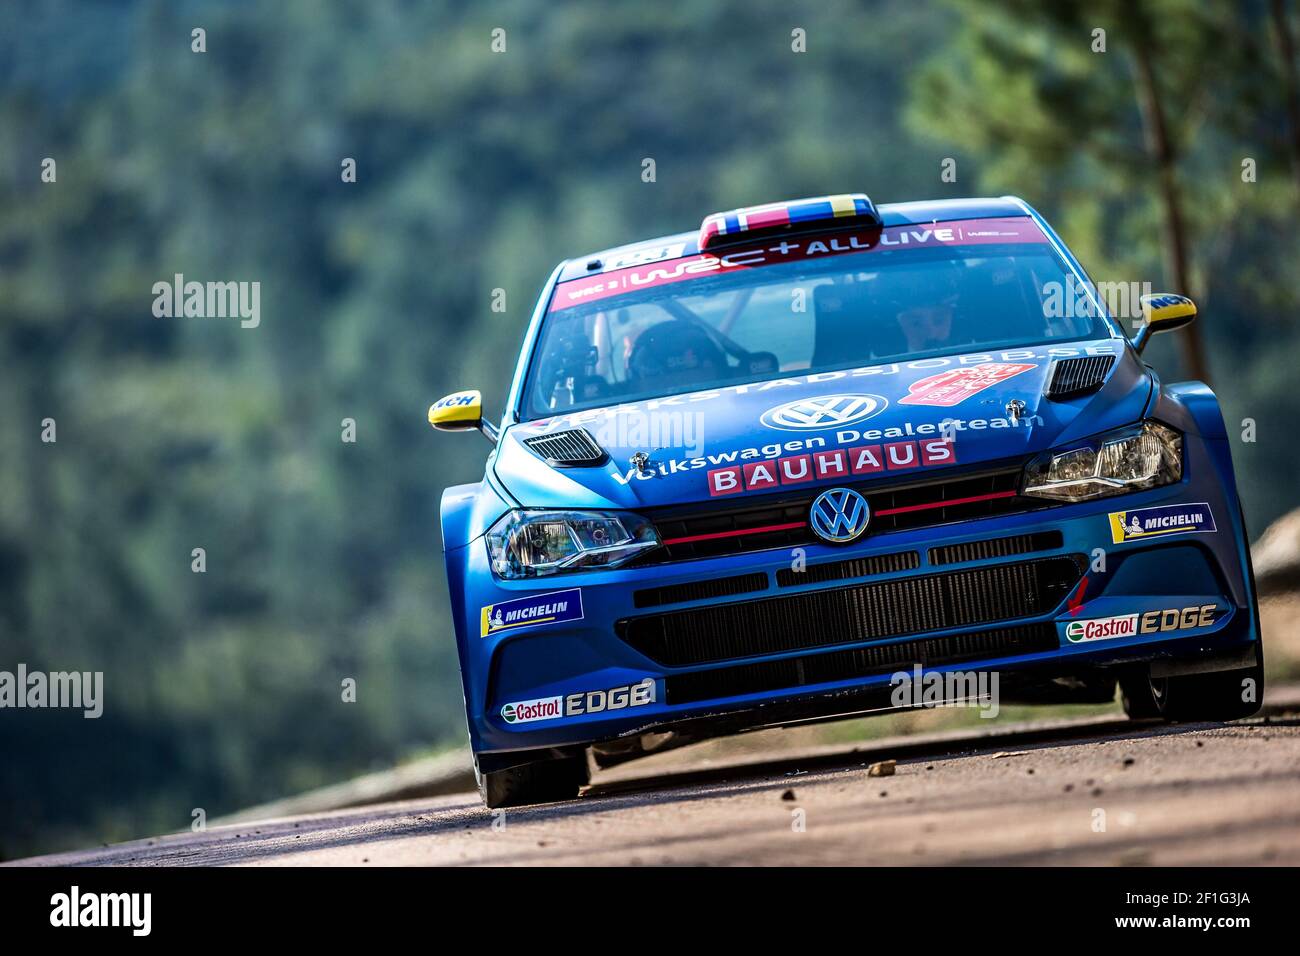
902, 420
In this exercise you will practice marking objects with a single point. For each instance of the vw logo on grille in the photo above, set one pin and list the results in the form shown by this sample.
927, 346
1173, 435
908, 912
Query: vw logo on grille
839, 515
826, 411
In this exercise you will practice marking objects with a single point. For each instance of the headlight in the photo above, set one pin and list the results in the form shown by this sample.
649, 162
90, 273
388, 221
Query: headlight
529, 543
1129, 459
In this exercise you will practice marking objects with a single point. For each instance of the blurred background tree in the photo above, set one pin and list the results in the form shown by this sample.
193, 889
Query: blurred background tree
1157, 136
478, 171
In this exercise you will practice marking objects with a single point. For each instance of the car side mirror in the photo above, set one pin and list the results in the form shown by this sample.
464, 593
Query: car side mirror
461, 411
1163, 312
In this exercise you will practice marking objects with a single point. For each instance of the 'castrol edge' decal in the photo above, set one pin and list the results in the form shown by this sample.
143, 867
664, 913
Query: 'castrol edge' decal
963, 232
1143, 622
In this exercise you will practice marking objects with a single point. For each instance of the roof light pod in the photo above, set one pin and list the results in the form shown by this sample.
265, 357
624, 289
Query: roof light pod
797, 215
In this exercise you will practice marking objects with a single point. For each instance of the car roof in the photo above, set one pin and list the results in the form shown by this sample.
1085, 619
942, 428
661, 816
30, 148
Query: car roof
893, 214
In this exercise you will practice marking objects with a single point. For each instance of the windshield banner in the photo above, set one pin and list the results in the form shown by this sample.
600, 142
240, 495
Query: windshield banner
963, 232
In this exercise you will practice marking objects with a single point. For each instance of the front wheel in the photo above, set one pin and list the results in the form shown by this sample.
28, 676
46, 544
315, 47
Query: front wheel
1219, 696
1137, 695
545, 781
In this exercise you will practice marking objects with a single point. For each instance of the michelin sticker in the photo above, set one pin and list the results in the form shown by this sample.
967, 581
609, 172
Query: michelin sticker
1159, 522
550, 608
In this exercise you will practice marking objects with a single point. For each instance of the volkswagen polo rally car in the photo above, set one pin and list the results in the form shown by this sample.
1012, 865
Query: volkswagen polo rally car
749, 475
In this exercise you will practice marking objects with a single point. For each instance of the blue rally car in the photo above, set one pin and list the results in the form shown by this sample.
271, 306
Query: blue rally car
747, 474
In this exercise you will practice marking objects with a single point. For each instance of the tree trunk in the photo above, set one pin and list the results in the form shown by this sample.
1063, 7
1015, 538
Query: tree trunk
1161, 151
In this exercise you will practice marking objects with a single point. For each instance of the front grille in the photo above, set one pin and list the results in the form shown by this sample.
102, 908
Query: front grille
962, 499
858, 662
848, 615
988, 548
705, 532
852, 568
1078, 376
700, 590
573, 446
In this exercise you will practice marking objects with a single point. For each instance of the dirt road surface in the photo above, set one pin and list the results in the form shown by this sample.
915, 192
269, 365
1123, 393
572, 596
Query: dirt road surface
1085, 792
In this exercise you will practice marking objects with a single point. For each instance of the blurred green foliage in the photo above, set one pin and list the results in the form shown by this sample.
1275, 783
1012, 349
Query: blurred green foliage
1046, 117
476, 171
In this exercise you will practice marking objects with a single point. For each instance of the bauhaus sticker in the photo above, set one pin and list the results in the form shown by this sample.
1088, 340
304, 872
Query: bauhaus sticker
536, 609
836, 463
1159, 522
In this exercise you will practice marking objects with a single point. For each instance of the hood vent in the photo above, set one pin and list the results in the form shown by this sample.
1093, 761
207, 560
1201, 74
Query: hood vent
1078, 376
572, 448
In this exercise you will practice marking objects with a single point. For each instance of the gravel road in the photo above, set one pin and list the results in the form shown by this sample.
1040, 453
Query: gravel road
1084, 792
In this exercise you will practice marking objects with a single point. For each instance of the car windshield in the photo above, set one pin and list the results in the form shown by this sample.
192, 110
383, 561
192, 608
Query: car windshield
813, 305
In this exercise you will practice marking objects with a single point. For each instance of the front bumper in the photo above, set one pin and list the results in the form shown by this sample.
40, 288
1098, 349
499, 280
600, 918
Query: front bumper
571, 675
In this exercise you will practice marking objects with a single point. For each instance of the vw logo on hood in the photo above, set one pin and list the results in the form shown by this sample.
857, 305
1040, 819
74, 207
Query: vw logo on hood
826, 411
839, 515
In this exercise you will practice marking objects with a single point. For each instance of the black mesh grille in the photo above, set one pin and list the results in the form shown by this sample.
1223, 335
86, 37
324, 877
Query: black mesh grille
700, 590
1078, 376
848, 615
857, 662
996, 548
700, 525
885, 504
574, 446
703, 532
852, 568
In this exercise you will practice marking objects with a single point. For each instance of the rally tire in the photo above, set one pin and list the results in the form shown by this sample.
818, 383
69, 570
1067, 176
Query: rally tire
545, 781
1218, 696
1209, 697
1135, 693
